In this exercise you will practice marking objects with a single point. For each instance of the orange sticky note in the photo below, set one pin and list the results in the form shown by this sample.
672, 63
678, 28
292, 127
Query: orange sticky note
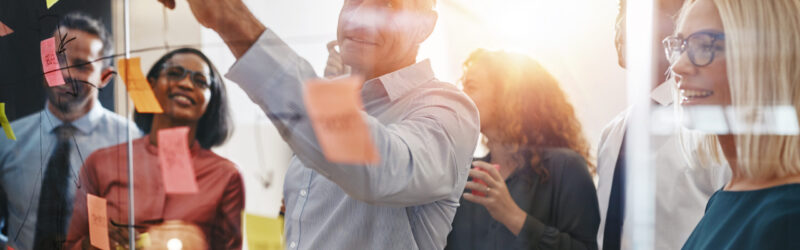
50, 64
175, 159
5, 124
5, 30
98, 221
334, 109
138, 88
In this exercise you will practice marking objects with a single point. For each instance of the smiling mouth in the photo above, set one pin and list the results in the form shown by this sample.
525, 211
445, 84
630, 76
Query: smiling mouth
182, 99
361, 41
691, 94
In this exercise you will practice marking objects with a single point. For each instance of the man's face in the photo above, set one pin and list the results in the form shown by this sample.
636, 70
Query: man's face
380, 36
83, 71
666, 11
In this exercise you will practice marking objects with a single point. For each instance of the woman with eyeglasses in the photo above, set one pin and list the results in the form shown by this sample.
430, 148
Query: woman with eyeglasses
192, 94
743, 57
534, 189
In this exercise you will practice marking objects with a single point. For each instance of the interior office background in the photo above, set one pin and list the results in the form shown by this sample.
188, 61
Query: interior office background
573, 39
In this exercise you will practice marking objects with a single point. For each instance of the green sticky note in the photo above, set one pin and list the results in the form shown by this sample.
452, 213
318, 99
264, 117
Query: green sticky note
263, 233
50, 3
4, 122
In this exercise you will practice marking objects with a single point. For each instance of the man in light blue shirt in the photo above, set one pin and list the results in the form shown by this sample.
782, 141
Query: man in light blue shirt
38, 171
425, 130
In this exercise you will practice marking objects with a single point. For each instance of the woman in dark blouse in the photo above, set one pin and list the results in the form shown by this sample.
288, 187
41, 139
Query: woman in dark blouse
743, 56
534, 190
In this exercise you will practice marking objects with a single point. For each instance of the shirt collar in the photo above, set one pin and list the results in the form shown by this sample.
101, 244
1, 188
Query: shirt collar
402, 81
85, 124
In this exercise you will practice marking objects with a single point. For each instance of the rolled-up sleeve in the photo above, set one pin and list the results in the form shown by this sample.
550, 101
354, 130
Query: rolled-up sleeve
424, 156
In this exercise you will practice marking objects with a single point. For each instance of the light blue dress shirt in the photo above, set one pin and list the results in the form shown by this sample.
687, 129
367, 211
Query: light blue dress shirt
24, 161
425, 131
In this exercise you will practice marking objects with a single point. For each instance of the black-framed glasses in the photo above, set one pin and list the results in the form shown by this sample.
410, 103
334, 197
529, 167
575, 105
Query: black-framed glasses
177, 73
700, 46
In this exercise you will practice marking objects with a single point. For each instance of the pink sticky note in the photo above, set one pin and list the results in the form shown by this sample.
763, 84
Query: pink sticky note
5, 30
334, 107
50, 63
175, 159
98, 221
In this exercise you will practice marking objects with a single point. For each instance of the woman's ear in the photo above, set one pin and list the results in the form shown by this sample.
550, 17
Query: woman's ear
105, 78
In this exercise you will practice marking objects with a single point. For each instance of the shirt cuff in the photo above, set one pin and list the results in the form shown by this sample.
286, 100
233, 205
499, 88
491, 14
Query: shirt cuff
531, 233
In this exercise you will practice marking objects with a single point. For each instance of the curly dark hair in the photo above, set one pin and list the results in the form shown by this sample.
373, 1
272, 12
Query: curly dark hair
532, 111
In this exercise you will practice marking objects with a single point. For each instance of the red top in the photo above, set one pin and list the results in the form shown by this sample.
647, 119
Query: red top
216, 208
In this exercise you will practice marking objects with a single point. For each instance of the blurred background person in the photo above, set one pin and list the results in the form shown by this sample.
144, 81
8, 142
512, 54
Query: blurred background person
192, 94
681, 191
38, 171
744, 56
542, 195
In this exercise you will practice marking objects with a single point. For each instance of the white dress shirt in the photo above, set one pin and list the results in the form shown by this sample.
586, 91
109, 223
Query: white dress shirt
681, 191
425, 131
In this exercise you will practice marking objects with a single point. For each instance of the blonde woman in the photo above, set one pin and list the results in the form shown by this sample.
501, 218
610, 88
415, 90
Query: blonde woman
539, 193
744, 55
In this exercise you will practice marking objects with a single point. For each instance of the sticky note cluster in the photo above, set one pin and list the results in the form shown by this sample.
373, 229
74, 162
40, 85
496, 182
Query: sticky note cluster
263, 233
144, 100
5, 124
50, 64
175, 159
334, 107
98, 221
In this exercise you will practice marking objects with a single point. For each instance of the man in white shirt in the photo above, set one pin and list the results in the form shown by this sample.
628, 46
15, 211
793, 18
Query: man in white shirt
681, 192
424, 130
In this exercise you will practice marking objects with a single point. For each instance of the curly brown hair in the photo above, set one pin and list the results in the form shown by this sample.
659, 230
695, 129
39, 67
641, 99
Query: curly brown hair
532, 111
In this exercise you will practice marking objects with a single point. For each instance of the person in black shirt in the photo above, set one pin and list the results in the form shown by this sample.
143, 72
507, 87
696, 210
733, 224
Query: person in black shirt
535, 188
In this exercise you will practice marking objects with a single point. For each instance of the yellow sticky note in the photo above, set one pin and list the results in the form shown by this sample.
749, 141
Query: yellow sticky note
138, 88
263, 233
50, 3
334, 107
5, 124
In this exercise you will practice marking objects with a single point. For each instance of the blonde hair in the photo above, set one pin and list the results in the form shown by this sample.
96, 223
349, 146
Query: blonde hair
762, 53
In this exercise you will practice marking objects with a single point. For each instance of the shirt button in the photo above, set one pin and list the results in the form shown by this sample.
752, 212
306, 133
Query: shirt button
303, 193
293, 244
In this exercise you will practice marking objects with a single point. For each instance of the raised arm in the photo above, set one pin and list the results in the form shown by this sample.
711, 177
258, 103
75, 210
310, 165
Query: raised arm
231, 19
423, 157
